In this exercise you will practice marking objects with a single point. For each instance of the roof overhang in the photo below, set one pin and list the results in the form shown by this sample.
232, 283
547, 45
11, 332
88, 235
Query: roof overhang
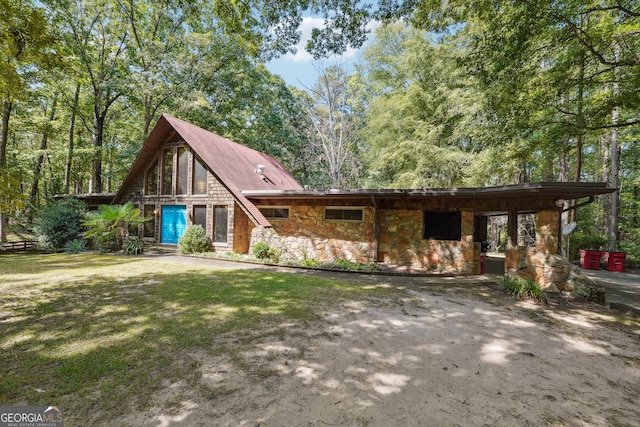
551, 192
556, 190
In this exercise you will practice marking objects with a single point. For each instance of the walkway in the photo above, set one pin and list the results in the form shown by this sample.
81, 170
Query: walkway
622, 289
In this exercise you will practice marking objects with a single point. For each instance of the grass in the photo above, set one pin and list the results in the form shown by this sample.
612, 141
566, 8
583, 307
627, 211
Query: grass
523, 288
99, 334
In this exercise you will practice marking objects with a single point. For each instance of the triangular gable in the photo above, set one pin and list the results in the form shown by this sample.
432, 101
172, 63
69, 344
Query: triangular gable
233, 164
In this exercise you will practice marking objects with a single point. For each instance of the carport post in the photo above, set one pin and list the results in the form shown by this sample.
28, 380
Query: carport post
512, 230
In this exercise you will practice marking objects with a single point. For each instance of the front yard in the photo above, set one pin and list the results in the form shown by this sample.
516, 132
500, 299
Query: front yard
121, 341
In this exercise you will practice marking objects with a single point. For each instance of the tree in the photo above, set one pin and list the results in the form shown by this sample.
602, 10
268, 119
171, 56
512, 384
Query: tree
333, 132
98, 39
26, 45
421, 114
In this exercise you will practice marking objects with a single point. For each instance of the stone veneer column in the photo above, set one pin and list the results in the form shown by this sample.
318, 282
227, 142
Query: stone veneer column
547, 227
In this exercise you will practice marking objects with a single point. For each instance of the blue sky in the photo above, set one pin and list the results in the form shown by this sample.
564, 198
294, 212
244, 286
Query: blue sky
300, 69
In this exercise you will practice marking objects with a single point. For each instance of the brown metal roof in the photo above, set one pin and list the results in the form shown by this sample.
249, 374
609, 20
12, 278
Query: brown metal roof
233, 164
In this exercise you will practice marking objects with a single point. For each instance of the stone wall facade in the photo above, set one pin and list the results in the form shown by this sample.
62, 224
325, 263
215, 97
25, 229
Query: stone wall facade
402, 243
307, 235
543, 265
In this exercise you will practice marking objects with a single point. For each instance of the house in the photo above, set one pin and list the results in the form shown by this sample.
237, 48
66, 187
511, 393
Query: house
187, 175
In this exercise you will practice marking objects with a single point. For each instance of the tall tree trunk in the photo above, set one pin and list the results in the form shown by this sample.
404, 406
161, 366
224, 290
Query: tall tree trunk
606, 175
72, 125
4, 138
96, 161
43, 146
580, 125
615, 157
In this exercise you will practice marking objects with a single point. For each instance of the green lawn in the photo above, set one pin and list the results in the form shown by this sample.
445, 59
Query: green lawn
98, 334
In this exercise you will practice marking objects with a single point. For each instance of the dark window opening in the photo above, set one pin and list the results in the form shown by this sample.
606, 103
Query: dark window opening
443, 225
220, 221
149, 229
275, 213
151, 183
167, 172
200, 216
341, 214
183, 170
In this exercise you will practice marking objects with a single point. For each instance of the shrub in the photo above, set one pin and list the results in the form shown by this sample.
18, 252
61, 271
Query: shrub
133, 246
194, 240
111, 225
75, 246
60, 223
523, 288
261, 250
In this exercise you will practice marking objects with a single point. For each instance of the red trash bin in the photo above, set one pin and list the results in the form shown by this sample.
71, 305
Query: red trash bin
591, 260
616, 261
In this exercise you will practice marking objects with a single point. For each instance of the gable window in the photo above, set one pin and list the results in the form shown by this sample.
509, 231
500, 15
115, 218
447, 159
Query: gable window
167, 171
343, 214
275, 212
183, 170
151, 181
443, 225
220, 221
199, 176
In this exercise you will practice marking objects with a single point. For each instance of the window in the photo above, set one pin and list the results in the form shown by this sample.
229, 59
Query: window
220, 219
151, 181
200, 216
343, 214
275, 212
150, 226
199, 176
443, 225
167, 171
183, 170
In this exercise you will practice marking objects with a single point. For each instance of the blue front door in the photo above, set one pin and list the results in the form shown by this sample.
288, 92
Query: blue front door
174, 223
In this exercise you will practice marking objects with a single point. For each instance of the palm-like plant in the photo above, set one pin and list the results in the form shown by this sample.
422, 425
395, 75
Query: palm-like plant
111, 224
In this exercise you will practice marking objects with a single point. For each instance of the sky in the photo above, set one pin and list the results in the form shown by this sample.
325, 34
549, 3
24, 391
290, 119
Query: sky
300, 69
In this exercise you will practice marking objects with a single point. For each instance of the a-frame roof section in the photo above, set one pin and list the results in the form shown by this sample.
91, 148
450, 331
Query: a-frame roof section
233, 164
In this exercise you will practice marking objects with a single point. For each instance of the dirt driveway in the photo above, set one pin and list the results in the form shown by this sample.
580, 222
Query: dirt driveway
453, 354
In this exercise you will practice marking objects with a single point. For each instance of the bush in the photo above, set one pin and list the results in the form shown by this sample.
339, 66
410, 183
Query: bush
60, 223
523, 288
261, 250
194, 240
75, 246
133, 246
110, 225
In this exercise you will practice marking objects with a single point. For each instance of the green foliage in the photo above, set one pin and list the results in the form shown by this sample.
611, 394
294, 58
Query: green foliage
133, 246
348, 265
194, 240
111, 225
261, 250
60, 223
310, 262
75, 246
523, 288
11, 196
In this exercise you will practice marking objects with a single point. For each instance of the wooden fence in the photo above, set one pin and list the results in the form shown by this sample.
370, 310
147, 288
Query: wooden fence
18, 246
